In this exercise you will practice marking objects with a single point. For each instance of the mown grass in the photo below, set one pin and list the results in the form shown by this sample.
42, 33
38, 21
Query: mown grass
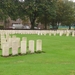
58, 59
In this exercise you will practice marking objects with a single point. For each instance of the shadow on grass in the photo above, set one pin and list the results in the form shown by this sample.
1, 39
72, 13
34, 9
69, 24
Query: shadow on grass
28, 53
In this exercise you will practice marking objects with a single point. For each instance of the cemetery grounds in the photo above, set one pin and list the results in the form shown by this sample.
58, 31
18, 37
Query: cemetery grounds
57, 58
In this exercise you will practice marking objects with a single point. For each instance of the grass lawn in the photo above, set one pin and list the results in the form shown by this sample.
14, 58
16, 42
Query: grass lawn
58, 59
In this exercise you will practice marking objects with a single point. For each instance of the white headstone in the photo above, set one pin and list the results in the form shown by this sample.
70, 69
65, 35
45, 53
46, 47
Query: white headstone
23, 47
67, 34
14, 48
3, 41
10, 42
38, 33
5, 50
49, 33
18, 42
39, 45
31, 46
73, 33
54, 33
7, 37
24, 39
14, 36
60, 33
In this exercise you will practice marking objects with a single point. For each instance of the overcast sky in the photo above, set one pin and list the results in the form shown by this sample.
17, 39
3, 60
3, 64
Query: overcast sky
74, 0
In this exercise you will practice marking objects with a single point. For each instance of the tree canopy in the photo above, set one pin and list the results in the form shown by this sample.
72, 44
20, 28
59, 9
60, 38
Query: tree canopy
44, 11
65, 12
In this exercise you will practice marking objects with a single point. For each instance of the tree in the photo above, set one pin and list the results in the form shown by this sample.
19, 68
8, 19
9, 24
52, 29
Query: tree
32, 9
65, 12
3, 12
48, 12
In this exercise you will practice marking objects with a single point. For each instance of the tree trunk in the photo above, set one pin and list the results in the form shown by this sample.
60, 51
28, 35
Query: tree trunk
69, 27
45, 26
52, 24
32, 25
32, 20
45, 21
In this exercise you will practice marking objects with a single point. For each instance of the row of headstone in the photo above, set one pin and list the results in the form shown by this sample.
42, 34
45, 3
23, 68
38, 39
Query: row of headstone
61, 33
39, 32
15, 45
